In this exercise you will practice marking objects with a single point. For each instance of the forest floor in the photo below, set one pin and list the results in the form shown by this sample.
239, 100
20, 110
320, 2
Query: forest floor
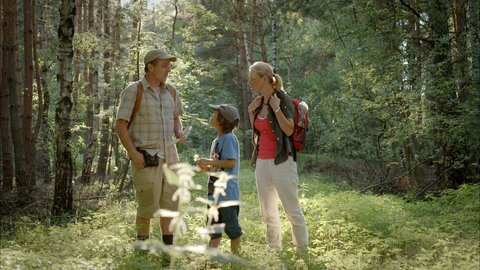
348, 230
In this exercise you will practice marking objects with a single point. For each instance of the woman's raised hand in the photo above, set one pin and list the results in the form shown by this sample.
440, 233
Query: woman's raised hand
274, 102
256, 102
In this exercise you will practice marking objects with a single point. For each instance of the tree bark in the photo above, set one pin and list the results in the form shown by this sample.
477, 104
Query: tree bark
63, 194
91, 93
7, 155
460, 52
261, 31
172, 41
244, 97
474, 33
43, 129
251, 43
273, 24
14, 86
105, 128
442, 94
28, 90
116, 60
136, 27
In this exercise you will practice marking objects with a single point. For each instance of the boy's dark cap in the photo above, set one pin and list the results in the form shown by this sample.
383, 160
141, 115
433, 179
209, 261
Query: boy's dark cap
228, 111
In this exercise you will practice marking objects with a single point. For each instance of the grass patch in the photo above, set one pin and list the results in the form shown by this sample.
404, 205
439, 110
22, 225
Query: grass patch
348, 230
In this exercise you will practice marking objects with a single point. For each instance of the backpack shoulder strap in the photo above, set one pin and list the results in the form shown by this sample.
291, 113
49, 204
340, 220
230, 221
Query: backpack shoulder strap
172, 91
138, 101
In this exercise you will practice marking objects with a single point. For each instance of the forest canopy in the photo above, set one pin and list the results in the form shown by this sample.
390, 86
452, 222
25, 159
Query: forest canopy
392, 86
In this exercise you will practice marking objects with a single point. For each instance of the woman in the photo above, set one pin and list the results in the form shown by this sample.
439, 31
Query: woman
271, 116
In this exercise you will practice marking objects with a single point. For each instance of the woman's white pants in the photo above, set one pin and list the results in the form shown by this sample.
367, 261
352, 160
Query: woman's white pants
276, 182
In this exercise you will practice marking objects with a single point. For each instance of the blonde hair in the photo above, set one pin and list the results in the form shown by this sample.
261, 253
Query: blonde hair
264, 69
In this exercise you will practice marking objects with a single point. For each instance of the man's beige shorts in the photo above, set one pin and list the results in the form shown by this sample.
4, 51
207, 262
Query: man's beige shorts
152, 191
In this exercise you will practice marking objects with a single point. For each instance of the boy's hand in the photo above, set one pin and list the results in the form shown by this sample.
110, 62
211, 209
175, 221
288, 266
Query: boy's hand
204, 161
204, 164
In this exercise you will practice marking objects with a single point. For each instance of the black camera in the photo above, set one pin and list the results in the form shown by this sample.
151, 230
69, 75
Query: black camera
150, 160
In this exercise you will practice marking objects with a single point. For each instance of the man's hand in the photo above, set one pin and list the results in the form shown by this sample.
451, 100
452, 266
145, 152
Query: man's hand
137, 159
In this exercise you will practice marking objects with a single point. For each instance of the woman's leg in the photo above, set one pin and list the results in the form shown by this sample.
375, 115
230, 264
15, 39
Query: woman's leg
268, 199
286, 183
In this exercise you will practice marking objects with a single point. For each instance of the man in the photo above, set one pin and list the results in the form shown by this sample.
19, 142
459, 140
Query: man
149, 140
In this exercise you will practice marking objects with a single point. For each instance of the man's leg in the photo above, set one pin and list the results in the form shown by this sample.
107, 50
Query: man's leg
143, 228
167, 234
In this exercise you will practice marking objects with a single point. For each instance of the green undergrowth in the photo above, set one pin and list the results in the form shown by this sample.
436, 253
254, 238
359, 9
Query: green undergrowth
348, 230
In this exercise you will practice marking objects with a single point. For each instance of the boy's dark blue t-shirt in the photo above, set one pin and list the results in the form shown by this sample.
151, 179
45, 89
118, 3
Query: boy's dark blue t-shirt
223, 148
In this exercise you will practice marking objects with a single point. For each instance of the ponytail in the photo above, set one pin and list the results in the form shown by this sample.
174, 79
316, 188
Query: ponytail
277, 82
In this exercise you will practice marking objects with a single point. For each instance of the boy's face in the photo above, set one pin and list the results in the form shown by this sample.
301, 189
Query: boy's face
214, 119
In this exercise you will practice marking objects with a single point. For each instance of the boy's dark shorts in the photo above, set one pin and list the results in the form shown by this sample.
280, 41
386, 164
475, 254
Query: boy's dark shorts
229, 216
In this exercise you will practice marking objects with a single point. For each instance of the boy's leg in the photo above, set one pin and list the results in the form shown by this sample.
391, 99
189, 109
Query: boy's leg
232, 226
235, 245
214, 243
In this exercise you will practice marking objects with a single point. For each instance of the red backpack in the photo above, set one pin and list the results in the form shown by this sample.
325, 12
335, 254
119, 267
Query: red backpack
300, 124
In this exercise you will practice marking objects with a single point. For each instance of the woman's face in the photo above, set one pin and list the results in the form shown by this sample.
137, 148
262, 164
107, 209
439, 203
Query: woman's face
256, 82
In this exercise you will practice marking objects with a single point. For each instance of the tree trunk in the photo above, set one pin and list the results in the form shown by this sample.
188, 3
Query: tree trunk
44, 151
91, 92
474, 18
274, 37
116, 60
7, 155
77, 54
136, 27
460, 48
172, 41
440, 95
28, 89
244, 97
261, 31
63, 194
12, 78
251, 43
105, 129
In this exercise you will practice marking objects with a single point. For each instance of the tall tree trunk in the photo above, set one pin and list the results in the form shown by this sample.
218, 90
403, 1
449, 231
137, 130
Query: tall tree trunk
172, 42
440, 95
473, 22
244, 93
105, 128
116, 60
44, 151
63, 194
460, 61
261, 31
251, 41
45, 136
136, 28
91, 92
38, 81
80, 4
7, 155
274, 36
13, 77
28, 90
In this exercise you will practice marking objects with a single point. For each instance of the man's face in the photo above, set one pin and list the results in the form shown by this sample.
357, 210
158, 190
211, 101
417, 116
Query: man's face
160, 69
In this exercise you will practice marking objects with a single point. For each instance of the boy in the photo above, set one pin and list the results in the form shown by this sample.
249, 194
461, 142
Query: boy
225, 156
